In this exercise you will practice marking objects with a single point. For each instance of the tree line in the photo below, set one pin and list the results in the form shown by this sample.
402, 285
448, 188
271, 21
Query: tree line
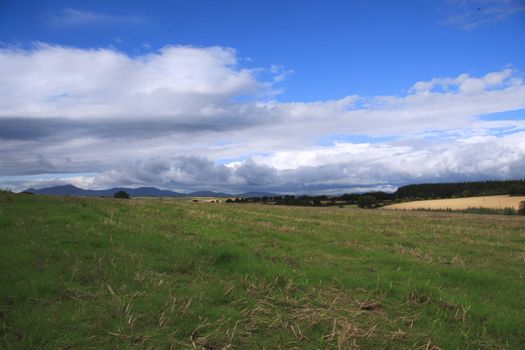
366, 200
404, 193
461, 189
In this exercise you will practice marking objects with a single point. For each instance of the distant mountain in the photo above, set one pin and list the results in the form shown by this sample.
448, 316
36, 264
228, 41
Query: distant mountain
65, 190
149, 192
70, 190
258, 194
209, 194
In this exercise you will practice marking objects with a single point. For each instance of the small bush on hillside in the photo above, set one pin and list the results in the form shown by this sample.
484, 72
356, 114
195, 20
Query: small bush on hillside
121, 195
521, 208
366, 202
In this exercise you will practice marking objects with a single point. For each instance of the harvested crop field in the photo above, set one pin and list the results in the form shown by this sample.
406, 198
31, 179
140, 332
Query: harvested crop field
462, 203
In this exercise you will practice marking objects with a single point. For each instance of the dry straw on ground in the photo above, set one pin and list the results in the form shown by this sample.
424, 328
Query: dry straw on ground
496, 202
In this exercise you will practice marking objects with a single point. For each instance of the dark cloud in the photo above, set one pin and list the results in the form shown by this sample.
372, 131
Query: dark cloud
256, 174
35, 129
33, 164
374, 168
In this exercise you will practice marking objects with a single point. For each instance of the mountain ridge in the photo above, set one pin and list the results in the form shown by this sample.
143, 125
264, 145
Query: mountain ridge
71, 190
146, 191
149, 191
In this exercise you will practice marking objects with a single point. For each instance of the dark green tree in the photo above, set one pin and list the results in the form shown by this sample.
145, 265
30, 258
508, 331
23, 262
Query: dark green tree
121, 195
366, 202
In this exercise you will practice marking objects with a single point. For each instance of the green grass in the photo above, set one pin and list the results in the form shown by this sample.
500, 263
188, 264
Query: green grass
151, 273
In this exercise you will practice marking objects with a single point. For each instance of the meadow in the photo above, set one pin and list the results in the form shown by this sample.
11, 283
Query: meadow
165, 273
489, 202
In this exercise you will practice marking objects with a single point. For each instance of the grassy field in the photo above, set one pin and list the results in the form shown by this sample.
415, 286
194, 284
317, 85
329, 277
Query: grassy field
490, 202
164, 273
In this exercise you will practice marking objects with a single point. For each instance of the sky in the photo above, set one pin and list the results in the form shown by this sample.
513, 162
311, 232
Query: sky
283, 96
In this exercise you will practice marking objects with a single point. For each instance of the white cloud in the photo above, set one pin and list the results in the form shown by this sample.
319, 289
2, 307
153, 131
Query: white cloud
75, 17
466, 83
70, 110
471, 14
55, 81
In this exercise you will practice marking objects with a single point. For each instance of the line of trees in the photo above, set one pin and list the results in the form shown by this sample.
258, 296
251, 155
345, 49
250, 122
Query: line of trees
404, 193
461, 189
365, 200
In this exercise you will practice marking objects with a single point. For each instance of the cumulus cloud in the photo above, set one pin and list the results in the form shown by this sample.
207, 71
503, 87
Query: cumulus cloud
172, 117
177, 82
60, 89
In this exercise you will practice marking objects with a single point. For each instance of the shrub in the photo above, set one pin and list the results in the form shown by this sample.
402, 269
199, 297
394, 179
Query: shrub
521, 208
121, 195
366, 202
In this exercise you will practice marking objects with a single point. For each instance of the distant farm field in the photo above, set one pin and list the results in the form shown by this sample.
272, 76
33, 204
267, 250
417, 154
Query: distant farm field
491, 202
103, 273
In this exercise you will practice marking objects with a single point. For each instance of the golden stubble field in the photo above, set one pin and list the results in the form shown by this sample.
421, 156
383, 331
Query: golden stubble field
496, 202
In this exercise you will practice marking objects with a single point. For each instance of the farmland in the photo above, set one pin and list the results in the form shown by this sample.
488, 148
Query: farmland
490, 202
167, 273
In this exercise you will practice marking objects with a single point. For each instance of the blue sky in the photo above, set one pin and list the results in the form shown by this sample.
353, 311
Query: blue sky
334, 48
334, 77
